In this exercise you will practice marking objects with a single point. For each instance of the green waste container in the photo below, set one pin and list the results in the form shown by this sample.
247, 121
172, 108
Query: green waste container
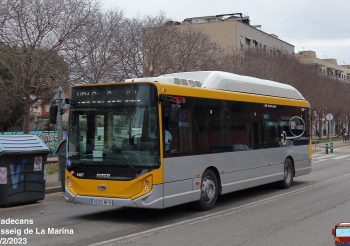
23, 161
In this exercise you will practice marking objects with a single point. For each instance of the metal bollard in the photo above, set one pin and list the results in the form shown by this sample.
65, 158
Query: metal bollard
326, 148
331, 148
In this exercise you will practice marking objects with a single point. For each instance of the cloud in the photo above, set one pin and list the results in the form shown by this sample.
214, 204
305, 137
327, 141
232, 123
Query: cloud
321, 43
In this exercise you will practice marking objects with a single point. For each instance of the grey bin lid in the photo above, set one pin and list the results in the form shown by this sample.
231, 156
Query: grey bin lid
21, 144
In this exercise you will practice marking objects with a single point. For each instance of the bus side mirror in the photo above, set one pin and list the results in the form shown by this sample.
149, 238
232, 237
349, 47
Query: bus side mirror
53, 113
333, 232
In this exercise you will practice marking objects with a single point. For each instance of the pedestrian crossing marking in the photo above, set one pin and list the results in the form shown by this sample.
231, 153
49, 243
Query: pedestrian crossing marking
323, 157
340, 157
317, 161
328, 157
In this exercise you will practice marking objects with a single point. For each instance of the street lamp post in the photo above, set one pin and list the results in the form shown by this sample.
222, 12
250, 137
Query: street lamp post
59, 100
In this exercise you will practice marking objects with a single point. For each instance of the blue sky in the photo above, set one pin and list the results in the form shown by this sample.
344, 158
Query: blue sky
319, 25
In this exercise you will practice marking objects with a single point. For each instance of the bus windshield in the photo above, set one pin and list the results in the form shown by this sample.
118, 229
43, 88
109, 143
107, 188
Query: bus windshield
120, 130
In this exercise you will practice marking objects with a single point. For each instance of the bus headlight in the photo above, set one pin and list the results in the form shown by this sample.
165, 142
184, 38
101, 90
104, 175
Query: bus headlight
69, 184
147, 184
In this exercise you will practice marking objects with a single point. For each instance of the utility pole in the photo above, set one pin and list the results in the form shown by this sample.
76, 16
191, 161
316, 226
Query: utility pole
59, 100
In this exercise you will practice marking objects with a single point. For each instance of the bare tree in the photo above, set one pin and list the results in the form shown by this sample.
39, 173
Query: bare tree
11, 112
33, 33
94, 54
130, 49
175, 48
116, 48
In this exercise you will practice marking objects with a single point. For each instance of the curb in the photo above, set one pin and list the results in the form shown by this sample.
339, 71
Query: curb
54, 189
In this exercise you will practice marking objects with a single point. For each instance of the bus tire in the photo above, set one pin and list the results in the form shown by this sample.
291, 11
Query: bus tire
288, 174
209, 190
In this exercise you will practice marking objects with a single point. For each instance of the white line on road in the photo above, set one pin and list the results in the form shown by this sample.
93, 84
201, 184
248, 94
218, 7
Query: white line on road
317, 161
170, 227
340, 157
323, 157
343, 147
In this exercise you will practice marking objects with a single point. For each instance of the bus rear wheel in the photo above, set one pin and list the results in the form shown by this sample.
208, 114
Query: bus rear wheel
209, 190
288, 174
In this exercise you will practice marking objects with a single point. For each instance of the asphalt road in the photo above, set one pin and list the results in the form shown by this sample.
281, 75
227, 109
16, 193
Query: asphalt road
301, 215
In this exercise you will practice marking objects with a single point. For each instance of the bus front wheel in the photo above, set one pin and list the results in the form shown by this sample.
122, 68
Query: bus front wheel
288, 174
209, 190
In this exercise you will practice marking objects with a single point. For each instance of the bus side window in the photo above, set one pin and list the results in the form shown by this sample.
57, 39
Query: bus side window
170, 122
177, 129
202, 131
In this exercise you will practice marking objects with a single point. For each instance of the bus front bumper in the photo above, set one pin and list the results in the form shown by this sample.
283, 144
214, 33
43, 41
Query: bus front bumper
153, 199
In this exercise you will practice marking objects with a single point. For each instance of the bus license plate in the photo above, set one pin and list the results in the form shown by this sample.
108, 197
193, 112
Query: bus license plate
101, 202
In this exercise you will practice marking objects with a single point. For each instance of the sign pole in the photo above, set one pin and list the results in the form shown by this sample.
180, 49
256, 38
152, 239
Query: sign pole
59, 99
329, 117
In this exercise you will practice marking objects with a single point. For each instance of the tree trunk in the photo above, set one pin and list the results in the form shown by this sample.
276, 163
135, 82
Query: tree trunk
26, 119
320, 130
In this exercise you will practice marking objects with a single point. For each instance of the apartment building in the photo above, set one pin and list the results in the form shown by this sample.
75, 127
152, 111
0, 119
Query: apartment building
328, 67
234, 32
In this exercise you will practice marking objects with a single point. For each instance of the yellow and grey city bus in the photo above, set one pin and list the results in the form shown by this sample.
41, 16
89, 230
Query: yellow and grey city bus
186, 137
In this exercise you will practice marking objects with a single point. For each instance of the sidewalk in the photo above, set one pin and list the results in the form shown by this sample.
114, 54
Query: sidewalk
52, 159
52, 183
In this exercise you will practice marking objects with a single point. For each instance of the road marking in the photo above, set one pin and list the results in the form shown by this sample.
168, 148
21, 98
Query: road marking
323, 157
330, 158
342, 147
317, 161
181, 224
340, 157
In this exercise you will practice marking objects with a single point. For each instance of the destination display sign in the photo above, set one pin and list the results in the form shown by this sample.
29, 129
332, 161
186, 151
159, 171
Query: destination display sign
114, 95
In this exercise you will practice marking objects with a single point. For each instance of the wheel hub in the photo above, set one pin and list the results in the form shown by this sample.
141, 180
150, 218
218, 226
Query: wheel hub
288, 174
208, 189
